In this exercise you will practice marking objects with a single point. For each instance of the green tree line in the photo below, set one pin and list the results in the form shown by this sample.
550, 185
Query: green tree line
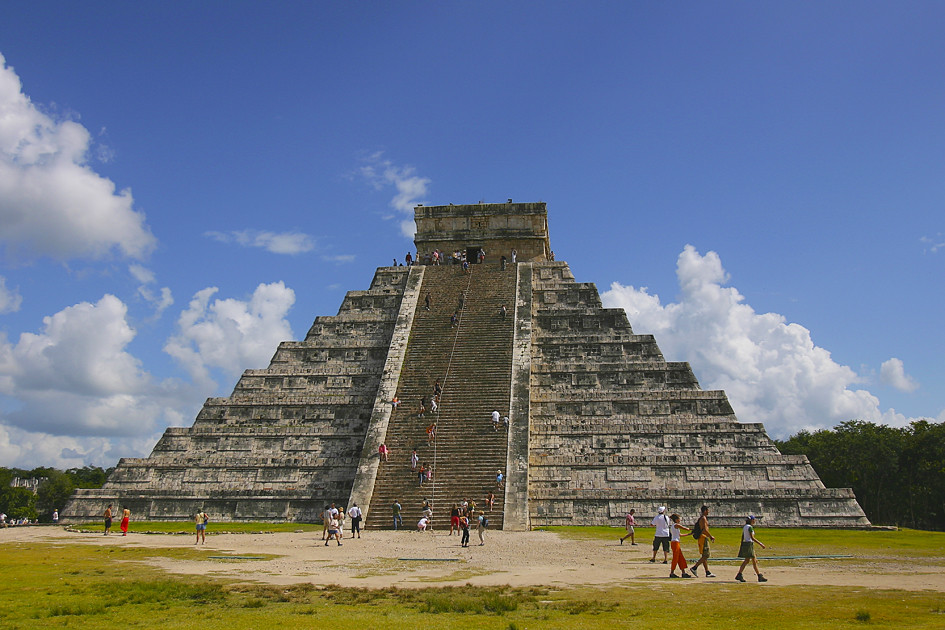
897, 474
51, 494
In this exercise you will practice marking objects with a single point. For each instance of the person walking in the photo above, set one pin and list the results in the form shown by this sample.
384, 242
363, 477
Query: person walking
454, 519
327, 515
679, 559
747, 550
701, 532
125, 519
661, 535
464, 526
414, 460
108, 519
356, 515
483, 524
629, 524
398, 521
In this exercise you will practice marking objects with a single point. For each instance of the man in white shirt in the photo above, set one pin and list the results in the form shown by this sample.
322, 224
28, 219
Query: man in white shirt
661, 537
355, 514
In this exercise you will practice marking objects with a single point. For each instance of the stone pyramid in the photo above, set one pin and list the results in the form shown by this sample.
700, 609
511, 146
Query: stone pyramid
599, 421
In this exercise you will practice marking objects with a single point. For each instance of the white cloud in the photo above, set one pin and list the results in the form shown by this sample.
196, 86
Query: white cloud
341, 258
894, 374
770, 369
51, 202
933, 244
229, 334
10, 300
274, 242
411, 188
74, 386
160, 301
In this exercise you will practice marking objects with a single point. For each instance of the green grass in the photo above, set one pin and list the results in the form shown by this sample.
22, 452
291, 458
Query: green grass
53, 585
880, 544
187, 527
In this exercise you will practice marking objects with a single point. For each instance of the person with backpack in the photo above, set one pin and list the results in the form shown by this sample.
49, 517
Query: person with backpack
200, 521
702, 535
483, 524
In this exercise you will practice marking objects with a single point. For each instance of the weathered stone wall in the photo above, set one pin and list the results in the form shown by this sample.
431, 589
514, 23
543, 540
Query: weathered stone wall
496, 227
613, 426
288, 439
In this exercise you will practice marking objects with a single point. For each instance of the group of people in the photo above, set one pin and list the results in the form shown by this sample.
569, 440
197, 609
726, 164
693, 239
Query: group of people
108, 515
462, 517
670, 530
333, 522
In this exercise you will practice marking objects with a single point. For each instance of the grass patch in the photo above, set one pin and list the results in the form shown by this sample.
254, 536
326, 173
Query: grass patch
902, 543
54, 585
187, 527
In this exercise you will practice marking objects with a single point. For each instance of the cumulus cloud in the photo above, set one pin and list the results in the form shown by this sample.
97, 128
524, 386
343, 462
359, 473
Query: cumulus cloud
230, 334
410, 187
893, 373
274, 242
770, 369
51, 202
10, 300
73, 385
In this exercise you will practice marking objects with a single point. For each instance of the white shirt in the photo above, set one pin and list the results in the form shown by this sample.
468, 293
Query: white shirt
354, 512
747, 531
661, 523
674, 533
495, 417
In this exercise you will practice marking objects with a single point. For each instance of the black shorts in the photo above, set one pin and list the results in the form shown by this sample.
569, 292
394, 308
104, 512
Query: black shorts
661, 540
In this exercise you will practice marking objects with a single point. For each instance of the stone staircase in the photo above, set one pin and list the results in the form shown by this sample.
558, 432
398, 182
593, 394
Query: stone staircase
473, 364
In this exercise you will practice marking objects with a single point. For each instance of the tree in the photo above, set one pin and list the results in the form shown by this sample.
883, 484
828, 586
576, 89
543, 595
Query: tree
18, 503
53, 494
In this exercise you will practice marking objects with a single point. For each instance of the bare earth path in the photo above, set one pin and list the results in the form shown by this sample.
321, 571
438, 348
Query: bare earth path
408, 559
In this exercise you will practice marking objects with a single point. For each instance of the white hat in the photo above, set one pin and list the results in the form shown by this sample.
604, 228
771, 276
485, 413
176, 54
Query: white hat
661, 509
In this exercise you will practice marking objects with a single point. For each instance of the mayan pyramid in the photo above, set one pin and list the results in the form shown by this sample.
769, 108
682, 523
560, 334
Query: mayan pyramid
599, 421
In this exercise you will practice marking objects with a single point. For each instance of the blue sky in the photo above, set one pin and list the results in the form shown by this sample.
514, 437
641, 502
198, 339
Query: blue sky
183, 185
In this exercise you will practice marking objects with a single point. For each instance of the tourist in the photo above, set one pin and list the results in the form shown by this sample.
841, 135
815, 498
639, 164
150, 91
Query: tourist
434, 404
326, 521
464, 525
701, 532
747, 550
340, 517
437, 390
454, 519
496, 420
629, 524
426, 302
414, 460
427, 510
453, 320
383, 452
333, 531
395, 402
356, 515
422, 524
483, 524
55, 516
408, 259
514, 255
422, 409
503, 311
125, 519
422, 474
499, 479
661, 536
200, 521
490, 500
398, 521
431, 433
108, 519
679, 560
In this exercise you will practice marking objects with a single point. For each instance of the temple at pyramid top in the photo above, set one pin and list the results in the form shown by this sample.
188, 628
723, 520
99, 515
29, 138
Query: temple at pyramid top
598, 421
498, 228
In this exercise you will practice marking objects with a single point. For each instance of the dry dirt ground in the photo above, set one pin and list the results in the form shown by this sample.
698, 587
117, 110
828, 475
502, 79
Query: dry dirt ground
409, 559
